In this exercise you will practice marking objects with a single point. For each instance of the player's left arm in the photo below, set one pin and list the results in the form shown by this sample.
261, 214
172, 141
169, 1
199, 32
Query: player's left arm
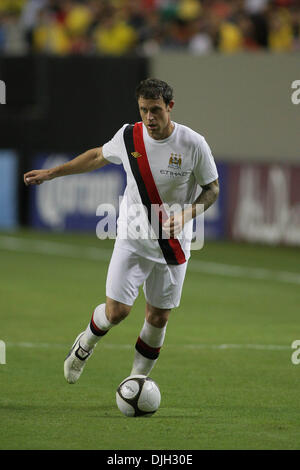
208, 196
174, 225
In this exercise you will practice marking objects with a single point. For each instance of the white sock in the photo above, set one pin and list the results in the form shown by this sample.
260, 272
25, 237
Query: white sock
147, 348
98, 327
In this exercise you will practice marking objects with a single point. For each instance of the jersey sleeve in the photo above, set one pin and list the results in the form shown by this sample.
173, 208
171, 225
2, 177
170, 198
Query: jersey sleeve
205, 170
112, 150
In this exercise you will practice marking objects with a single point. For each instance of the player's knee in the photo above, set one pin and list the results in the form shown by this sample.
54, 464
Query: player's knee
156, 316
116, 311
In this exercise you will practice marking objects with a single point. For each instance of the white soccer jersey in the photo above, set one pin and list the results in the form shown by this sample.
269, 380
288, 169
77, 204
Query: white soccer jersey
179, 164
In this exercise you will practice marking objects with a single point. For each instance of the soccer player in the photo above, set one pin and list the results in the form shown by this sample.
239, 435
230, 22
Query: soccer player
165, 163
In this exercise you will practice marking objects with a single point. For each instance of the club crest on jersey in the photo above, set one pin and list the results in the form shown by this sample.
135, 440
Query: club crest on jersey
175, 161
136, 154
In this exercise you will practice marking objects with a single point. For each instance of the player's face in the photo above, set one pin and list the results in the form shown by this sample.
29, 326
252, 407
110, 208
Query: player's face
155, 115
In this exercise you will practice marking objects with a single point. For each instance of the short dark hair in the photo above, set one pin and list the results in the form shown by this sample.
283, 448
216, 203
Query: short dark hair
153, 89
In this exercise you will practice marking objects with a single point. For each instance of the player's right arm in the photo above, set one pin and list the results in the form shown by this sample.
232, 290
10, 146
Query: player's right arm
88, 161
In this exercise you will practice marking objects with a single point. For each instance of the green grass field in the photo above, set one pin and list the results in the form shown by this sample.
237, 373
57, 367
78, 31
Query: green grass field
225, 371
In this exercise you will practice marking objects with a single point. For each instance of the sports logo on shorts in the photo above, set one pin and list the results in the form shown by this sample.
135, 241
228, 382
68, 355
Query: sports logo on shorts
136, 154
175, 161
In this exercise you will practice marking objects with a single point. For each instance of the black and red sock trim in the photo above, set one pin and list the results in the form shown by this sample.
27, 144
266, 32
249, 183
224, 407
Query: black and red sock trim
146, 350
95, 329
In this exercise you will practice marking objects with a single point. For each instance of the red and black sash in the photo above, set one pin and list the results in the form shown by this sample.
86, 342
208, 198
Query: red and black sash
135, 147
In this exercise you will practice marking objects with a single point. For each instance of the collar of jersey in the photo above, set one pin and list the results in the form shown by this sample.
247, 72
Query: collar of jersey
162, 141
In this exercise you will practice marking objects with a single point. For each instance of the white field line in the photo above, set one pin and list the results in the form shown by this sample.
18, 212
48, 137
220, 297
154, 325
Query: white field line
264, 347
24, 245
99, 254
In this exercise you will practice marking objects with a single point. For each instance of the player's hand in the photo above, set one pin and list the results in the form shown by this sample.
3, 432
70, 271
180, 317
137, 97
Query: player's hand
36, 177
173, 226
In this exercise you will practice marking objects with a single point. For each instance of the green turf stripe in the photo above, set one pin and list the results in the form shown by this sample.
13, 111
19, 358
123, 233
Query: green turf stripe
96, 254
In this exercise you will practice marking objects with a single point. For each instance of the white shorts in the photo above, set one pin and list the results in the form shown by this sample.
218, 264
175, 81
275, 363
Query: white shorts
162, 283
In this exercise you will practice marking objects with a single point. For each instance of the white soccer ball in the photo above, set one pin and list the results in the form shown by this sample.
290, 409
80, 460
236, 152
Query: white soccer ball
138, 395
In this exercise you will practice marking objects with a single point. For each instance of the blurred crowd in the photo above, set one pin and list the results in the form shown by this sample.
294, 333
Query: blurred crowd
145, 27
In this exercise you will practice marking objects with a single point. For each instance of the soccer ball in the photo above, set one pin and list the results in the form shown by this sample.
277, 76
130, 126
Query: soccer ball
138, 395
